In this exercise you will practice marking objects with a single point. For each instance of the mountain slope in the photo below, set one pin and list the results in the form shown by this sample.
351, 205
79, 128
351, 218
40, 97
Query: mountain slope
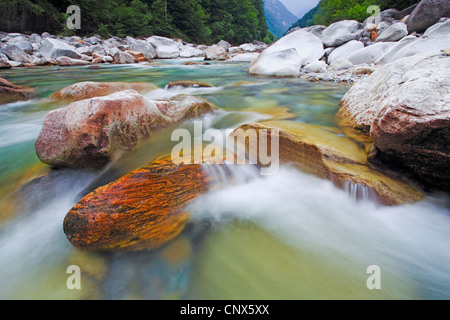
307, 20
279, 18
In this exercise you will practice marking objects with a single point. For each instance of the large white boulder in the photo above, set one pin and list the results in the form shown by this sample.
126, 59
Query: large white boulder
191, 52
284, 63
145, 47
224, 44
439, 29
342, 32
405, 106
395, 32
244, 57
15, 53
420, 46
340, 64
216, 53
308, 46
54, 48
371, 53
316, 67
345, 50
165, 48
387, 56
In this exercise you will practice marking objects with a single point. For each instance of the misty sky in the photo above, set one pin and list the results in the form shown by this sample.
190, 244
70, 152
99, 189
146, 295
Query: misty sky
300, 6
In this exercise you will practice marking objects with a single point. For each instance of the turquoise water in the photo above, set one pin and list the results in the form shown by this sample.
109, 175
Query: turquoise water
289, 236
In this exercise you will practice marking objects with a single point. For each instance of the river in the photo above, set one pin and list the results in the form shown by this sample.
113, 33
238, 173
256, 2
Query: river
287, 236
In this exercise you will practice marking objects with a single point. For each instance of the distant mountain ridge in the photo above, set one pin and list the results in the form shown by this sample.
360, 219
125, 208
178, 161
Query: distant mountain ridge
279, 18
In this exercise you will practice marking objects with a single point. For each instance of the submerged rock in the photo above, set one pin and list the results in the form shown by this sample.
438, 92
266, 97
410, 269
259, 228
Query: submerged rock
89, 89
405, 107
196, 63
188, 84
327, 153
142, 210
11, 93
183, 107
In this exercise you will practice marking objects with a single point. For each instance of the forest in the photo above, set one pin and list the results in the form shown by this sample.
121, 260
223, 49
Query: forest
200, 21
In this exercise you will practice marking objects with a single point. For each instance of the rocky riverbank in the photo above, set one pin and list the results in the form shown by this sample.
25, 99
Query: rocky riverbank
20, 50
401, 100
347, 51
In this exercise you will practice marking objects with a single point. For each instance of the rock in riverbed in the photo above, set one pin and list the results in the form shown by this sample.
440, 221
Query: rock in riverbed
405, 107
216, 53
10, 92
188, 84
328, 154
286, 56
142, 210
89, 133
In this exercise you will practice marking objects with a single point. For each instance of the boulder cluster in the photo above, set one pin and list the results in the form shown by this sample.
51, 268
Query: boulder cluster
20, 50
347, 50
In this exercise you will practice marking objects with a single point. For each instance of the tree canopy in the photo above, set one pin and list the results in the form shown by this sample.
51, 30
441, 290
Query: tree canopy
200, 21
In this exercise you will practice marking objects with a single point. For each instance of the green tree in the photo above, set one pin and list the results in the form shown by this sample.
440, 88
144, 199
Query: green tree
133, 19
201, 21
190, 17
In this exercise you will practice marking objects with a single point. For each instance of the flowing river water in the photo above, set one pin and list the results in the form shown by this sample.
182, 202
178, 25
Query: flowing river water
287, 236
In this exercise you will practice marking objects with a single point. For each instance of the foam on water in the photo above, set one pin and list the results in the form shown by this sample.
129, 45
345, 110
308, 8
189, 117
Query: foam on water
314, 216
35, 241
161, 94
19, 131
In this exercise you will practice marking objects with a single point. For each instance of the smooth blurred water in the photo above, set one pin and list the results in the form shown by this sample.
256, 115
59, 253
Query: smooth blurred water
289, 236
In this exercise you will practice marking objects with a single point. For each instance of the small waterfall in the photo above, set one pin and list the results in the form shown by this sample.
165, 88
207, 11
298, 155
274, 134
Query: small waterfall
360, 192
222, 175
